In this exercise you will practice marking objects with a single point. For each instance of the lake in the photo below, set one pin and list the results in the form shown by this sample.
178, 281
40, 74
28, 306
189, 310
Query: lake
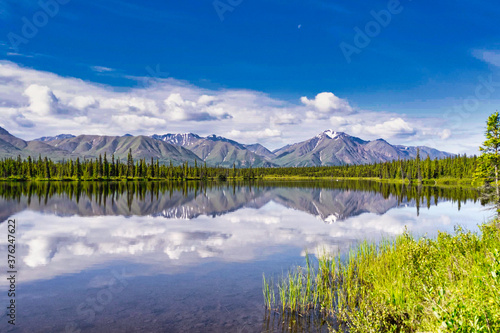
189, 257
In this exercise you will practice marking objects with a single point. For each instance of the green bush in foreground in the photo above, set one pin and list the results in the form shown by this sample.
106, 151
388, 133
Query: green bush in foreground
447, 284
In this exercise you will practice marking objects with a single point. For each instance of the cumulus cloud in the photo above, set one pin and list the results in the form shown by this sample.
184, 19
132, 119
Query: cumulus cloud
339, 122
255, 135
50, 104
42, 100
203, 110
136, 122
83, 102
391, 128
327, 102
285, 118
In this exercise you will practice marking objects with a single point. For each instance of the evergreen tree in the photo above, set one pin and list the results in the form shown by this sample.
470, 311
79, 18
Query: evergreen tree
47, 168
112, 168
419, 170
130, 164
30, 168
78, 169
489, 161
106, 166
100, 167
96, 168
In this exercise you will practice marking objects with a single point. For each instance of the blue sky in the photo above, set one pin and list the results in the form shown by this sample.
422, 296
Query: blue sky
425, 62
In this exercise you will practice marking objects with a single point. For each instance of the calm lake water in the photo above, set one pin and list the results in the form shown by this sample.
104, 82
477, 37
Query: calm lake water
189, 257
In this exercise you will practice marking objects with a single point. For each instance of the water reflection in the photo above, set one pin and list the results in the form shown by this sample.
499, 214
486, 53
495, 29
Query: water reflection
173, 226
329, 201
194, 253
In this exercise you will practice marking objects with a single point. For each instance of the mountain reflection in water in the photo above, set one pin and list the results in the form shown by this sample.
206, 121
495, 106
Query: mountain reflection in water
329, 201
182, 224
193, 254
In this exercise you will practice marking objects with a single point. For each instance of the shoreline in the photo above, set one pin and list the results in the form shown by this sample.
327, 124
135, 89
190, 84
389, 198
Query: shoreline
425, 182
408, 284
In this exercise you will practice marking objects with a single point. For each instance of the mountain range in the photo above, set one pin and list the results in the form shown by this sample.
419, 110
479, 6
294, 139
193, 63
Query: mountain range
325, 149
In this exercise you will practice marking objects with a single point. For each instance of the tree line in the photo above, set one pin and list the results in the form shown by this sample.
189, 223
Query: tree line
455, 167
104, 168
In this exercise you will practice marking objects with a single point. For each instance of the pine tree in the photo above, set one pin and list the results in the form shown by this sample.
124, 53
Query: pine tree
30, 167
112, 168
47, 168
78, 169
130, 164
100, 167
489, 161
106, 166
419, 169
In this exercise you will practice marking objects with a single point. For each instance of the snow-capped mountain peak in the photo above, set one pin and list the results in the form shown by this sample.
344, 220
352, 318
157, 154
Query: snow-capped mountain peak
330, 134
184, 139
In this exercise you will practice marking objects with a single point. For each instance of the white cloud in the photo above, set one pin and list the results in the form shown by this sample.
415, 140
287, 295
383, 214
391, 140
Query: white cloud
179, 109
491, 57
327, 102
445, 134
136, 122
254, 135
50, 104
205, 99
42, 99
338, 122
392, 128
285, 118
101, 69
83, 102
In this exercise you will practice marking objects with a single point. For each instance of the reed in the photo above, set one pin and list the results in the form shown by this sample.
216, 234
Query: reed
447, 284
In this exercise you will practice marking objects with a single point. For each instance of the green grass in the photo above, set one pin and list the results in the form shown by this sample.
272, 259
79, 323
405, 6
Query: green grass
439, 181
447, 284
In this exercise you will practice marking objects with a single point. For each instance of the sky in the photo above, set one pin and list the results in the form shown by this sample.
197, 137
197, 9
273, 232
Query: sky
274, 72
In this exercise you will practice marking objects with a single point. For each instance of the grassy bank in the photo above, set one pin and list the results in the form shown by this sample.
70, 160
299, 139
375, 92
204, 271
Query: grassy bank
436, 182
447, 284
432, 182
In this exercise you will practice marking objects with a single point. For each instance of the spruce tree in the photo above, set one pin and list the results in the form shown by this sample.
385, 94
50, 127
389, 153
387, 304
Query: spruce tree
30, 167
47, 168
78, 169
106, 166
489, 161
130, 164
100, 167
419, 170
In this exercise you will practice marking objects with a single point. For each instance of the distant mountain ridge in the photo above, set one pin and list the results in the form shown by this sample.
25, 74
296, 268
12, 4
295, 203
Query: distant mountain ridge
328, 148
142, 147
336, 148
217, 150
57, 137
11, 146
